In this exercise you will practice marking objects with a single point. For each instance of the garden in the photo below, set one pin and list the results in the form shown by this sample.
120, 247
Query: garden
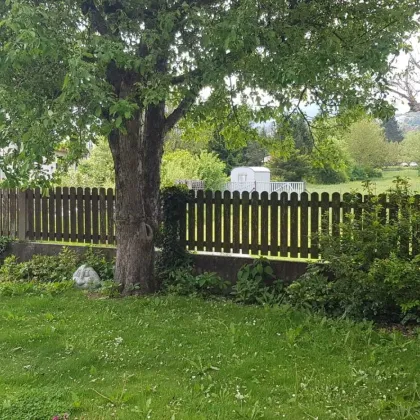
341, 342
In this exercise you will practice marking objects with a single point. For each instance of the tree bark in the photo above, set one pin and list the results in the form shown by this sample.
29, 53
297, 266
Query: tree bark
137, 157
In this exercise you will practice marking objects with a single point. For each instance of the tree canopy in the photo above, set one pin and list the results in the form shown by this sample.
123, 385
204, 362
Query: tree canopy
131, 69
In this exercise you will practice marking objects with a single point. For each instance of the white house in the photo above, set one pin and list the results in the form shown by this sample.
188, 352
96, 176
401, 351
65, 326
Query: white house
258, 179
250, 174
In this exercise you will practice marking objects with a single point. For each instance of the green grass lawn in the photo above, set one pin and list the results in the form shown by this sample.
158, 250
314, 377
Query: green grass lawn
380, 185
180, 358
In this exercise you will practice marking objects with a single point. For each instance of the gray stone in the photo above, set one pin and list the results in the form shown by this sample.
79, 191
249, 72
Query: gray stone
86, 277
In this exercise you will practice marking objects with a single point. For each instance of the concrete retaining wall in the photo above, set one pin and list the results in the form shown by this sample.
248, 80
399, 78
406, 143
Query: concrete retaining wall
226, 266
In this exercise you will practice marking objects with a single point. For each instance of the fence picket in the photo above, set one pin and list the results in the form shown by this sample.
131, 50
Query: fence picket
209, 221
218, 221
191, 222
358, 207
264, 223
236, 226
95, 216
88, 216
304, 225
37, 204
383, 205
58, 215
44, 214
200, 220
347, 205
314, 225
13, 214
274, 224
6, 210
325, 213
102, 215
284, 224
51, 215
245, 222
80, 218
66, 214
110, 216
30, 207
226, 221
294, 229
254, 223
335, 214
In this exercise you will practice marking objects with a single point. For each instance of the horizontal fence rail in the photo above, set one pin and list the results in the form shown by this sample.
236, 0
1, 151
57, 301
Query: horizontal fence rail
277, 225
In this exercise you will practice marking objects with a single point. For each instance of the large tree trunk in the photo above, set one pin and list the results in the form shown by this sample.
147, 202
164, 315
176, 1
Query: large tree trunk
137, 158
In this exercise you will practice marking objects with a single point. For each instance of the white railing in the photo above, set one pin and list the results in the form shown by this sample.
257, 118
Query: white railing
270, 187
191, 184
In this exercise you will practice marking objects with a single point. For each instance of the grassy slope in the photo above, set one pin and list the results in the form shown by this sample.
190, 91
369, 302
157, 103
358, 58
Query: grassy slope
176, 358
380, 185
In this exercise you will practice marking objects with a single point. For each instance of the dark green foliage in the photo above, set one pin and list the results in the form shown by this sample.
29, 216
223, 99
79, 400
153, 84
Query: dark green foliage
301, 135
183, 282
251, 155
374, 275
328, 175
51, 269
96, 259
4, 243
392, 130
173, 255
359, 173
257, 284
295, 169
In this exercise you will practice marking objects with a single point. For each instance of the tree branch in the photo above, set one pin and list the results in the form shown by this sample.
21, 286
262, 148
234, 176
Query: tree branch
179, 112
177, 80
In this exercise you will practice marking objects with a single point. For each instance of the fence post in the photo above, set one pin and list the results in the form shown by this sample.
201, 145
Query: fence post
22, 215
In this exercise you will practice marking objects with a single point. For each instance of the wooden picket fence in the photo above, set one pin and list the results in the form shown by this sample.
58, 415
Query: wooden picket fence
60, 214
285, 225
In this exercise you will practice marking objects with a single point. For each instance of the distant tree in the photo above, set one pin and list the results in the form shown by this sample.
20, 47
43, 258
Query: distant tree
393, 132
366, 144
406, 84
97, 170
182, 164
296, 168
301, 135
231, 157
254, 154
410, 147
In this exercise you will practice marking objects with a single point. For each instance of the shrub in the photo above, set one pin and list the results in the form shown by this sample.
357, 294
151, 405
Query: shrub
359, 173
257, 284
374, 275
329, 175
51, 269
183, 282
96, 259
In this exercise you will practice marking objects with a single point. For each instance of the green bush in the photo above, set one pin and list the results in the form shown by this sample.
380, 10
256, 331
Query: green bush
374, 276
257, 284
183, 282
359, 173
52, 269
329, 175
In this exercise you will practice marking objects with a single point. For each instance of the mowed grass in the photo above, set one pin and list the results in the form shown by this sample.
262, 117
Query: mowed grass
184, 358
379, 185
